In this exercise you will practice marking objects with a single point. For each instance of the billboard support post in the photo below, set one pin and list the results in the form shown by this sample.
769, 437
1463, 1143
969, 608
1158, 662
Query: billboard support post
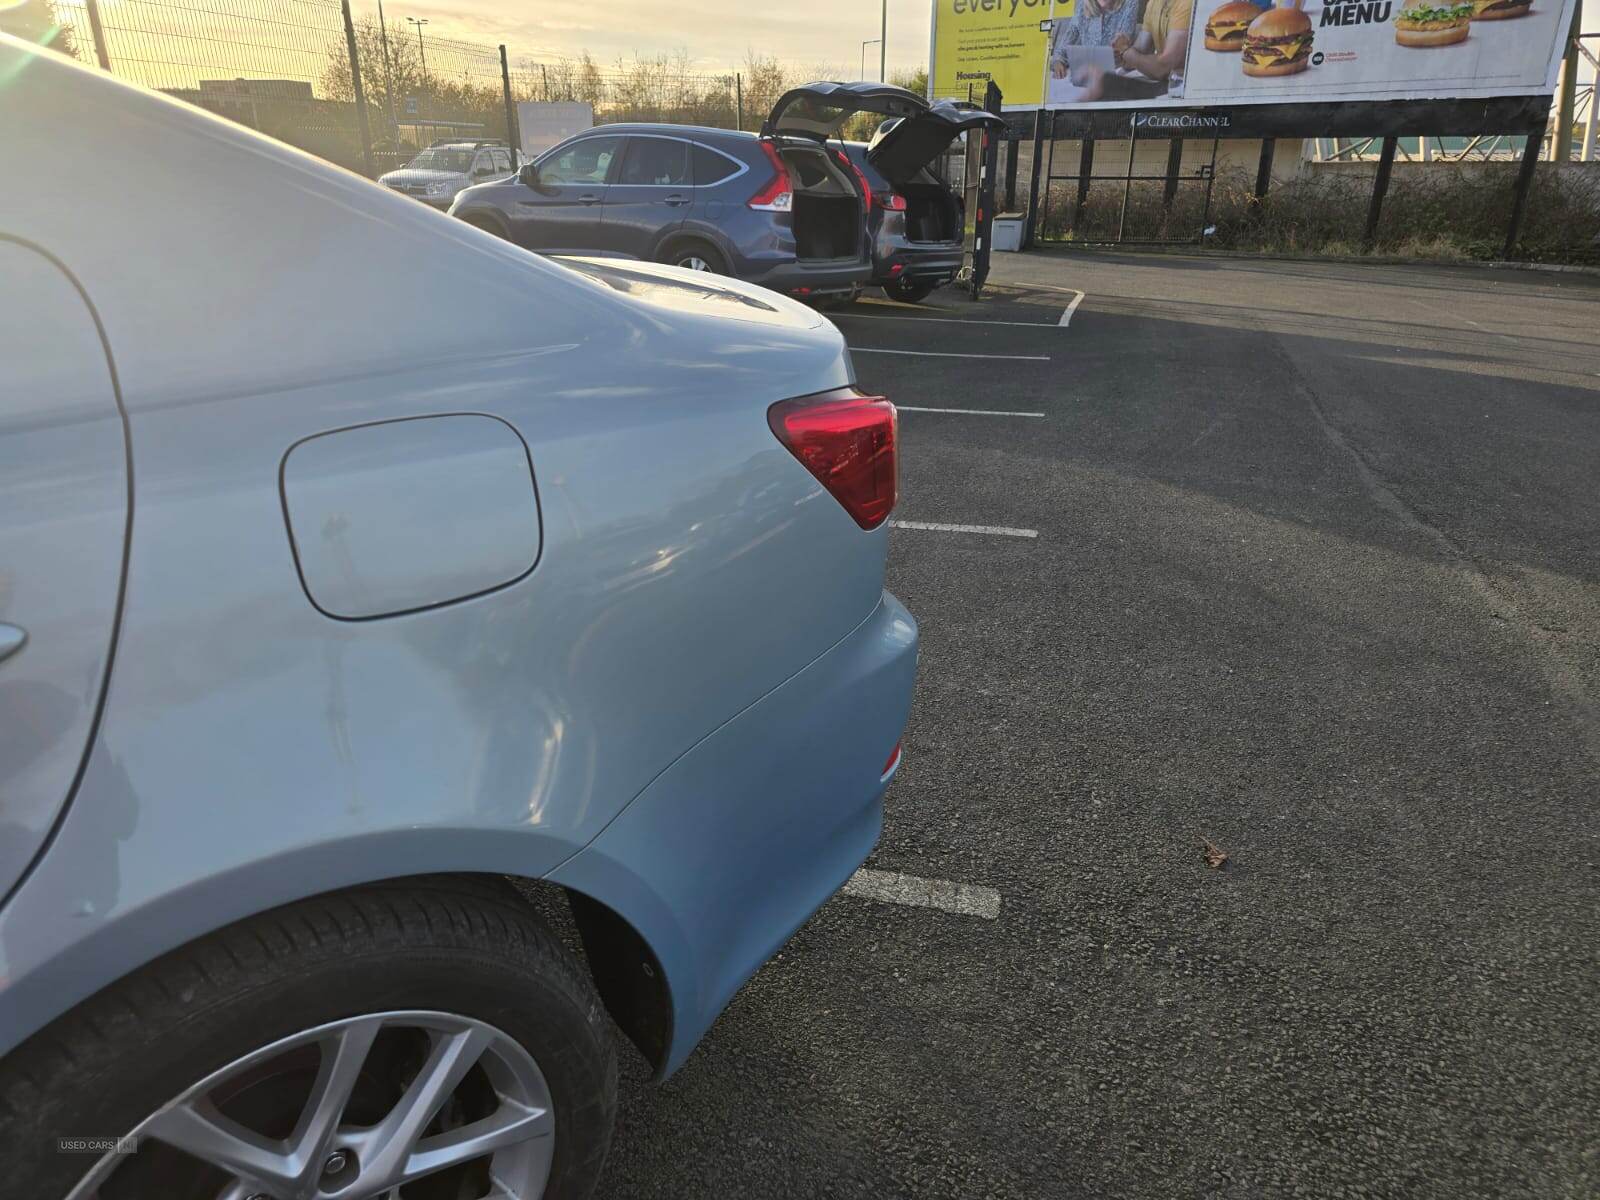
1033, 184
1085, 170
1380, 185
1258, 198
1174, 169
1519, 202
1013, 144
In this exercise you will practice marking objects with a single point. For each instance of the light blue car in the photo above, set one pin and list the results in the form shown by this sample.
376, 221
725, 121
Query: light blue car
361, 577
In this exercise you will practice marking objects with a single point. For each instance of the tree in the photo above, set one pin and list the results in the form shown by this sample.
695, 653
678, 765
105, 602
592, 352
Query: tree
38, 21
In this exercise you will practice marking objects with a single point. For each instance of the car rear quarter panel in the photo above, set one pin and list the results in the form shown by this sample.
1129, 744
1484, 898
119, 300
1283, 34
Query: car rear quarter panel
255, 750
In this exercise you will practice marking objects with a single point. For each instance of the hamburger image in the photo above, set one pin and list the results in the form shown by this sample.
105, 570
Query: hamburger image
1226, 28
1422, 23
1278, 42
1500, 10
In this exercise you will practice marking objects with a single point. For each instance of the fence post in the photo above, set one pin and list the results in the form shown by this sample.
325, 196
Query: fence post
355, 82
1380, 185
513, 133
1519, 202
1037, 166
1012, 146
1562, 150
97, 31
738, 92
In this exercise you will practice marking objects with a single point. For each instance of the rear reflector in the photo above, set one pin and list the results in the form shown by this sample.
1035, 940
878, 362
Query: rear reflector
894, 761
848, 441
893, 201
778, 195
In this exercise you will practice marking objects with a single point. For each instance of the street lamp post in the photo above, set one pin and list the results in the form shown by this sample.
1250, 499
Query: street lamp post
419, 22
864, 46
883, 44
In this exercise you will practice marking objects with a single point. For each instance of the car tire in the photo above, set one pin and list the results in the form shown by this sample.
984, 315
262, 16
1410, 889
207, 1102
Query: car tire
907, 291
488, 225
695, 256
447, 954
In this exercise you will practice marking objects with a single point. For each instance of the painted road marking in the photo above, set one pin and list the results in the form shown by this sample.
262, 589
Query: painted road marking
1066, 317
965, 899
965, 412
940, 527
950, 321
940, 354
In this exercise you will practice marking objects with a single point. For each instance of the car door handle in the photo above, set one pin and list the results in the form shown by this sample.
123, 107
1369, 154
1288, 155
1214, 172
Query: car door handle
588, 198
675, 201
11, 640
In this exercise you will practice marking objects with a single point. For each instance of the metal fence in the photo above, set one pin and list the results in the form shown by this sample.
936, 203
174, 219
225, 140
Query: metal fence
364, 91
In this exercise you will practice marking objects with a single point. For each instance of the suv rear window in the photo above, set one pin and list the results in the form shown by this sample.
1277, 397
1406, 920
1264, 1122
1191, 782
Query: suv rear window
711, 167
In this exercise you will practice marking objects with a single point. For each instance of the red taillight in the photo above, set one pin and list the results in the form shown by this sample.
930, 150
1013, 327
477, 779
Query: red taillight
893, 201
778, 195
894, 761
848, 441
866, 188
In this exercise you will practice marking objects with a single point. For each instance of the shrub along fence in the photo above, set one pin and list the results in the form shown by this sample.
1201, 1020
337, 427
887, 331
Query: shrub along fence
1438, 210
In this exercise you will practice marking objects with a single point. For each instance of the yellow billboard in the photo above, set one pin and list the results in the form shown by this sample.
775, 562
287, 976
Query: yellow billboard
975, 41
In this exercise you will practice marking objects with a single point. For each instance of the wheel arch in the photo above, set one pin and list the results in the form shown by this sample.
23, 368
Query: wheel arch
486, 219
679, 238
627, 969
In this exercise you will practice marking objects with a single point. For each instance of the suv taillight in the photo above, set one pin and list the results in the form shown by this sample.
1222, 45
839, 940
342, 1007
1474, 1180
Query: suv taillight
893, 201
848, 441
778, 195
866, 188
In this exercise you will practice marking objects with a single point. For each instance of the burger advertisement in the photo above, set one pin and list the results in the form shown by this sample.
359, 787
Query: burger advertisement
1197, 53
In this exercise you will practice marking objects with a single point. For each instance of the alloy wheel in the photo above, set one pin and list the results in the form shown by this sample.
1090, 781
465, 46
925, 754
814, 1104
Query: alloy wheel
390, 1106
694, 262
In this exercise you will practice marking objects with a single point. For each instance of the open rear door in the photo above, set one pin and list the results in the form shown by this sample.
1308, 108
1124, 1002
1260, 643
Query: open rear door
819, 110
902, 148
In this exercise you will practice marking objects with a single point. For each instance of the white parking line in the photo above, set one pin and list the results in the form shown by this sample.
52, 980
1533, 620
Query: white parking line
965, 899
1066, 317
965, 412
938, 354
949, 321
940, 527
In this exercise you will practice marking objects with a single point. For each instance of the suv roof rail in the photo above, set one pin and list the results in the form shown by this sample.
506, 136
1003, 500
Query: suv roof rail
473, 142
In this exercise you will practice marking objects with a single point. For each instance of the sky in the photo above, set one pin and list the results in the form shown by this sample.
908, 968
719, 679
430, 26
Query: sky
717, 34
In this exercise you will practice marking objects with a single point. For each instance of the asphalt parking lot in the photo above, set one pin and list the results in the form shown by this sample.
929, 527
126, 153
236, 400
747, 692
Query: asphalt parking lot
1298, 558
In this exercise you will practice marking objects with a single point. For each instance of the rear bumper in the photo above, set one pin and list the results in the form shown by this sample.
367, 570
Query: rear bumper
799, 278
934, 265
736, 844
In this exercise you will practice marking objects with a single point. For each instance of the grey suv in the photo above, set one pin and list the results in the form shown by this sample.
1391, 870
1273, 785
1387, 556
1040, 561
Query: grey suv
914, 218
781, 208
437, 174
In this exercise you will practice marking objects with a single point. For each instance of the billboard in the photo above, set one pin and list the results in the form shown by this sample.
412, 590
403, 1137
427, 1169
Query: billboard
975, 41
1203, 53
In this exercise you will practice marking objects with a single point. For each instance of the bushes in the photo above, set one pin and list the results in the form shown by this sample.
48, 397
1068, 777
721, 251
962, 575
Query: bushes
1444, 211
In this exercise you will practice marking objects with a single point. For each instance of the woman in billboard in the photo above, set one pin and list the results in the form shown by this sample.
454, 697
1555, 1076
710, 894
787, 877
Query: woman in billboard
1142, 58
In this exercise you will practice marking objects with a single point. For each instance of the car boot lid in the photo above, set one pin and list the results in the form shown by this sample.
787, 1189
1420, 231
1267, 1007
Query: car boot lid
819, 110
902, 147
